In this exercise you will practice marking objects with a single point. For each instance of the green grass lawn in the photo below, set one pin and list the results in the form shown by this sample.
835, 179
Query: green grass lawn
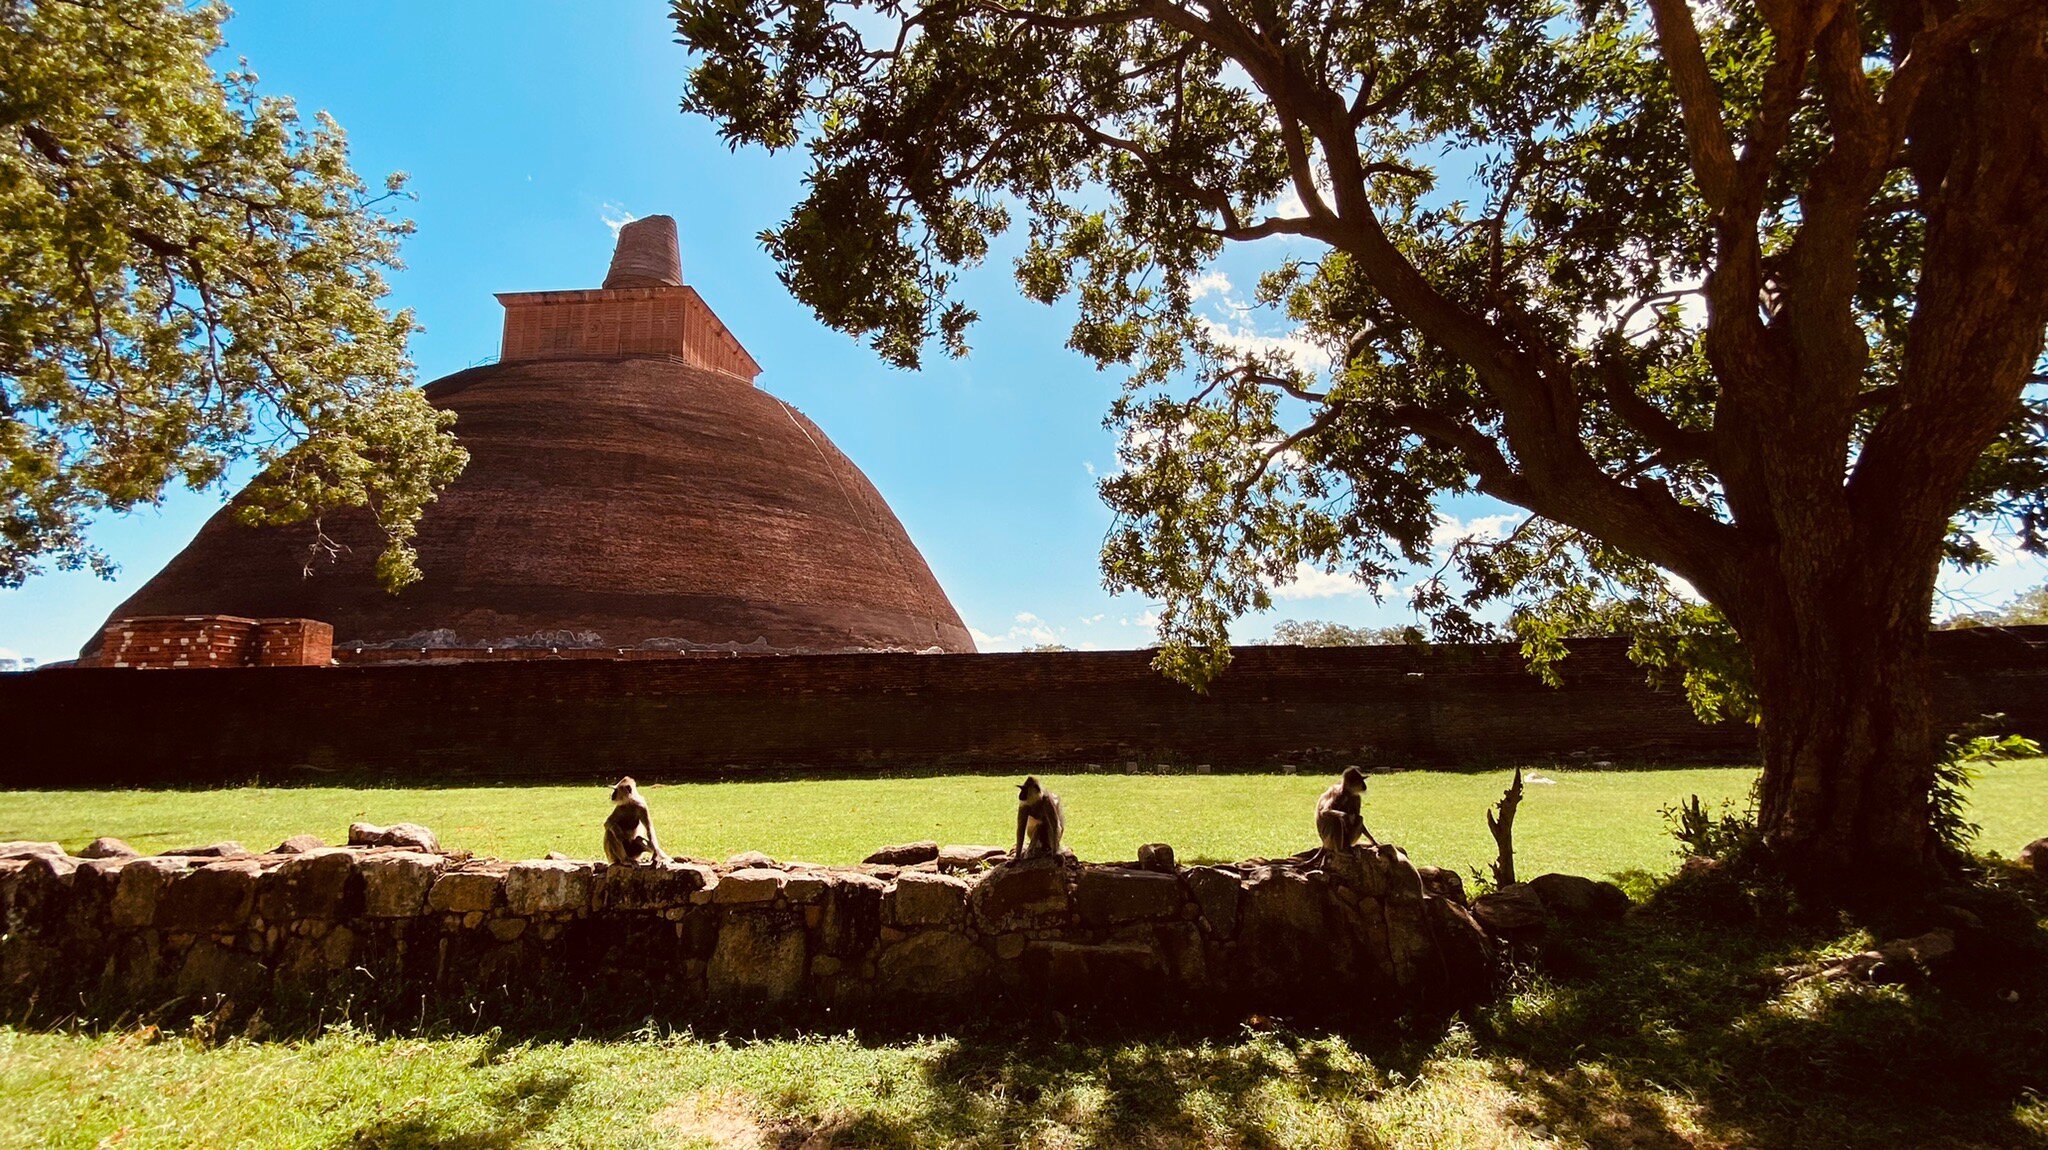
1579, 821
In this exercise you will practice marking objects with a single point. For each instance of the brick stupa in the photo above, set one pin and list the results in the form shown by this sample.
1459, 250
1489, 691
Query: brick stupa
628, 487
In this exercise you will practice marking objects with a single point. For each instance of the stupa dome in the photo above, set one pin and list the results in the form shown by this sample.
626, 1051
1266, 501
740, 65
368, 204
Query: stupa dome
628, 486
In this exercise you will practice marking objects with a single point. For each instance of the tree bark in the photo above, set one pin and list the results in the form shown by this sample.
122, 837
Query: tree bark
1849, 736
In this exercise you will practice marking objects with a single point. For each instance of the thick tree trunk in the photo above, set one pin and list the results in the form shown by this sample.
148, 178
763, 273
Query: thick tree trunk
1849, 738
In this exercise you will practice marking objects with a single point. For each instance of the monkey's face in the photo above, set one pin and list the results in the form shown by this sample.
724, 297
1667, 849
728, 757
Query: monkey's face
1028, 790
1354, 780
623, 791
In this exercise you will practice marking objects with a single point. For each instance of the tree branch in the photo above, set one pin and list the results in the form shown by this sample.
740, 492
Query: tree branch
1699, 100
1678, 443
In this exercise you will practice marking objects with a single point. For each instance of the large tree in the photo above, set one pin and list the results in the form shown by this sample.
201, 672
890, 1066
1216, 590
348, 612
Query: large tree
1748, 292
189, 277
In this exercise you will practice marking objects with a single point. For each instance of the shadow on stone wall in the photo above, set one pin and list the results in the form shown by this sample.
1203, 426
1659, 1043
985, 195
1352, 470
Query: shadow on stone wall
396, 934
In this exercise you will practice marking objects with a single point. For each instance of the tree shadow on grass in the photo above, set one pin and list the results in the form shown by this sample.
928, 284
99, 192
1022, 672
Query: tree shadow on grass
514, 1110
1682, 1031
1098, 1088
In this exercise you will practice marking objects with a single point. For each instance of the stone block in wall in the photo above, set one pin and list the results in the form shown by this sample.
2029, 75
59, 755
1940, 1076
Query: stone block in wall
657, 887
42, 890
216, 897
749, 884
92, 895
1216, 891
934, 965
923, 899
10, 875
852, 914
1021, 896
409, 836
1283, 918
1465, 965
468, 891
1411, 944
1575, 896
759, 957
316, 884
395, 885
212, 969
1513, 912
141, 887
1442, 882
969, 858
904, 854
548, 886
1073, 973
1106, 896
808, 886
1361, 869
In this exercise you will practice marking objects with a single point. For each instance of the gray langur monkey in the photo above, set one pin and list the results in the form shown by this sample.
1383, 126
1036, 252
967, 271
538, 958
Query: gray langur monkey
629, 829
1339, 819
1040, 822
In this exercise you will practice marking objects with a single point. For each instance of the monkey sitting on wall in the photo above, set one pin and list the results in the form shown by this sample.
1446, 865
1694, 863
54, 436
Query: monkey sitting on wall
629, 829
1040, 822
1339, 818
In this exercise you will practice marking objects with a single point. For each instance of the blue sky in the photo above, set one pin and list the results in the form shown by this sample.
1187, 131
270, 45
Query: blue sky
526, 125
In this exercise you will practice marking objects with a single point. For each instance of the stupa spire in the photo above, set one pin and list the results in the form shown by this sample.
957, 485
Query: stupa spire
647, 255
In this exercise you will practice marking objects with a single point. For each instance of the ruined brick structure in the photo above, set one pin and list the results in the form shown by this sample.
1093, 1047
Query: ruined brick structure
629, 487
165, 642
404, 935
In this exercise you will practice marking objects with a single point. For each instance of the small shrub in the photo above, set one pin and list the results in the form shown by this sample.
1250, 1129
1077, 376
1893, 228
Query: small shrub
1723, 834
1955, 772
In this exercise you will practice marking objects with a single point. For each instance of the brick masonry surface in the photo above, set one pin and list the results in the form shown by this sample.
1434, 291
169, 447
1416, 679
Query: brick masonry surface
165, 642
634, 500
711, 717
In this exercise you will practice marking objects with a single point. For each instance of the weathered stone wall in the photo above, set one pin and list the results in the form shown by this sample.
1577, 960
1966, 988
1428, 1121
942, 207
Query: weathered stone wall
403, 935
697, 717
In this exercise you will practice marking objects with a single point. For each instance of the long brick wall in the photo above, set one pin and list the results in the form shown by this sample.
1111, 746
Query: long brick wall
672, 718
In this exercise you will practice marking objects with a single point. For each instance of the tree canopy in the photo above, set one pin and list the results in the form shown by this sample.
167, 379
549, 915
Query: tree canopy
1742, 292
190, 276
1322, 633
1516, 204
2028, 608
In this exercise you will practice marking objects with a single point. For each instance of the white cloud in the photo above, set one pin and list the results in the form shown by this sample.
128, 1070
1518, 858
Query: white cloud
1026, 630
1312, 582
1450, 529
1091, 620
615, 217
1242, 336
1209, 283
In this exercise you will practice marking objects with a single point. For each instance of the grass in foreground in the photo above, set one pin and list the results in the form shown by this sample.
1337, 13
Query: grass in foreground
1581, 821
1671, 1031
